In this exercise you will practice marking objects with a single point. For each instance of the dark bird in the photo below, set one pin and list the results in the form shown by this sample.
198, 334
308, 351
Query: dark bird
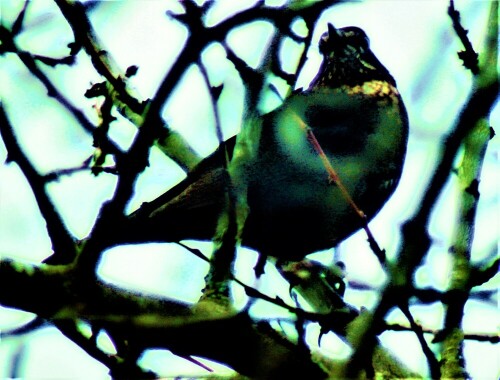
358, 117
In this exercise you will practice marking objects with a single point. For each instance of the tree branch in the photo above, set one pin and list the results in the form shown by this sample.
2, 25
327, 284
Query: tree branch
148, 322
63, 243
416, 241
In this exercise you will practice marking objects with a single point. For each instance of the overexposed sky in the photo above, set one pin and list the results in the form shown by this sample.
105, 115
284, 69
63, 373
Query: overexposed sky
413, 38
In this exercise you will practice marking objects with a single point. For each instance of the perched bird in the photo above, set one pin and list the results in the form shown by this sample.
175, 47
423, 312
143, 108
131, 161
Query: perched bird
359, 119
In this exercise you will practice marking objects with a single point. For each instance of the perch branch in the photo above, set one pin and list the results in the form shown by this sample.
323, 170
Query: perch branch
148, 322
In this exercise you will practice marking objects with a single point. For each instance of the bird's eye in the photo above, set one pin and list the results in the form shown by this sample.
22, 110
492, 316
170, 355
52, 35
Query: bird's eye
324, 46
356, 37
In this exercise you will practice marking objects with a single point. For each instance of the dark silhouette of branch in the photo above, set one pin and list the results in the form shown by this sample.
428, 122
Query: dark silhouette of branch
118, 368
17, 26
149, 322
168, 141
214, 93
28, 328
69, 291
417, 329
477, 337
468, 56
474, 142
84, 35
85, 167
481, 276
63, 243
416, 240
431, 295
8, 44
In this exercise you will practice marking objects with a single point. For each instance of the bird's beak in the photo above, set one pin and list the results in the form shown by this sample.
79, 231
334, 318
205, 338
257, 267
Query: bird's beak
330, 41
334, 35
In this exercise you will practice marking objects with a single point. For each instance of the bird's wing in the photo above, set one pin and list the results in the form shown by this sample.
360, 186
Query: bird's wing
201, 178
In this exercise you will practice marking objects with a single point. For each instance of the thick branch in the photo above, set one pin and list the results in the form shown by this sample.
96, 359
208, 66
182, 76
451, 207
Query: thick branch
146, 322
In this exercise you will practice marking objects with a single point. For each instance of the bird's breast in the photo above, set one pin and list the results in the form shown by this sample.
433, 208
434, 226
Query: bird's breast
297, 206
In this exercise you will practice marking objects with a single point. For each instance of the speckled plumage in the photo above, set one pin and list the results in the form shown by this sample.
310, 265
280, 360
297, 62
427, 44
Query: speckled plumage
357, 114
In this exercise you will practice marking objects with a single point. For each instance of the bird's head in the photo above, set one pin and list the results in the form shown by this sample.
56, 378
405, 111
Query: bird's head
348, 60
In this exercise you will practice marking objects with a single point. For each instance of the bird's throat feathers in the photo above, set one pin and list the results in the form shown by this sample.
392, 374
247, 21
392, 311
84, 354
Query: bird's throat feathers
377, 89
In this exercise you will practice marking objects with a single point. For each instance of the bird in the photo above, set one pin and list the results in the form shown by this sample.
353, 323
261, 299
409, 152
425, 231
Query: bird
357, 115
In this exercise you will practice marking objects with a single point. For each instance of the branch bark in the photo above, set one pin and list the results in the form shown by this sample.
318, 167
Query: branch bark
148, 322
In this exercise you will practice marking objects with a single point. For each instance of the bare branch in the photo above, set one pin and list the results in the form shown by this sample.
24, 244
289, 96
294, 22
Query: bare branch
468, 56
416, 241
63, 243
147, 322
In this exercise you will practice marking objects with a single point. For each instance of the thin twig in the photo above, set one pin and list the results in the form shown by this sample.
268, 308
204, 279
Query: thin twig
417, 329
29, 61
335, 179
476, 337
169, 142
214, 93
416, 240
116, 365
469, 57
63, 243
